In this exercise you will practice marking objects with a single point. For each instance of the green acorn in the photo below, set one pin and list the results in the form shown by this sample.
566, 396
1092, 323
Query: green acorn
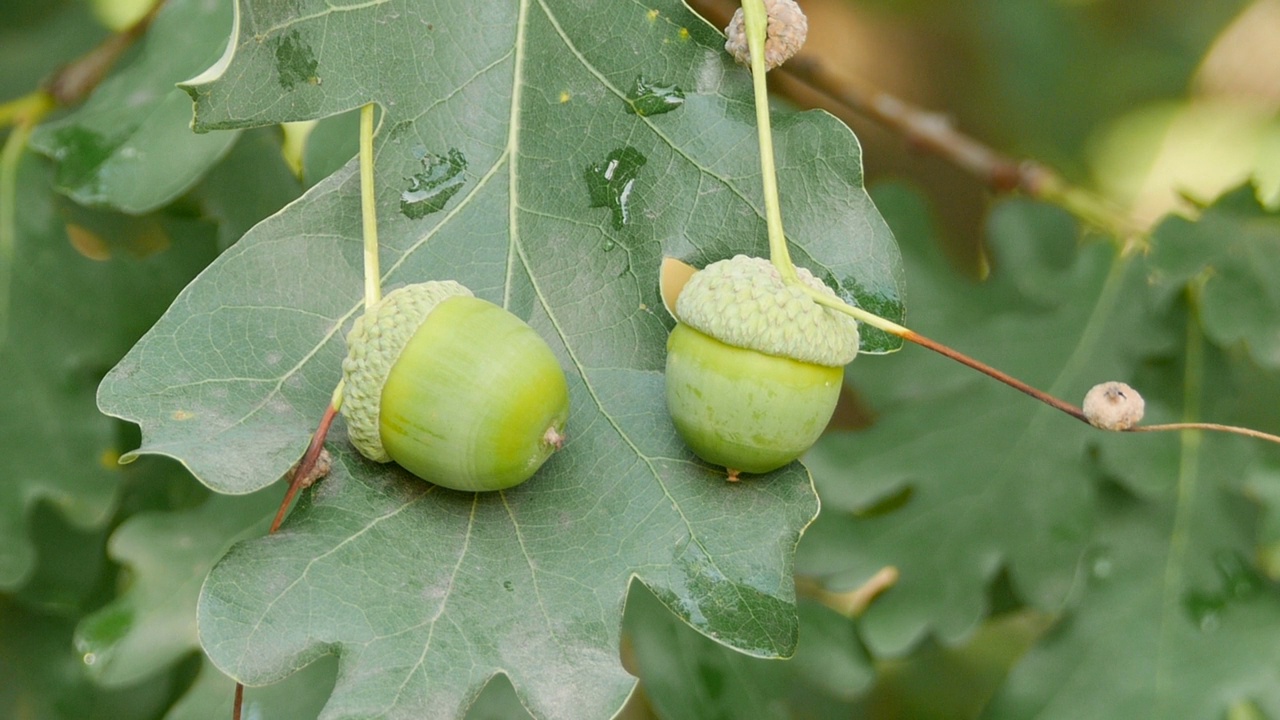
754, 367
455, 389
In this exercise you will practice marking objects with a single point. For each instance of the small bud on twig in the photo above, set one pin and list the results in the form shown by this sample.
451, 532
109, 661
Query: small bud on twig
786, 32
1113, 406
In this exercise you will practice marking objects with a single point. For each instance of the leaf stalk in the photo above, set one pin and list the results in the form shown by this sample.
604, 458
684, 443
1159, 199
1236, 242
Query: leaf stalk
26, 113
369, 211
756, 22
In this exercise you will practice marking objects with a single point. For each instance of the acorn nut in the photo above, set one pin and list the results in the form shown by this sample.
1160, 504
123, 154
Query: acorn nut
754, 366
455, 389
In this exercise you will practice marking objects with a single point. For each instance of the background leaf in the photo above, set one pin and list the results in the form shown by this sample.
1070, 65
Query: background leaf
686, 675
44, 678
1234, 250
301, 695
130, 146
1176, 621
1124, 96
152, 624
932, 487
105, 280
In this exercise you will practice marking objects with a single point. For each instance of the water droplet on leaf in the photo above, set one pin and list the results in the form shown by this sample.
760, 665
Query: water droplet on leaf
1239, 579
610, 183
651, 98
441, 178
1204, 609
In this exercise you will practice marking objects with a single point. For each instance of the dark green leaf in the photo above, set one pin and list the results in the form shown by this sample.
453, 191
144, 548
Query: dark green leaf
38, 36
298, 697
1177, 622
426, 594
44, 677
250, 183
686, 675
1231, 255
961, 475
953, 682
332, 143
70, 566
85, 287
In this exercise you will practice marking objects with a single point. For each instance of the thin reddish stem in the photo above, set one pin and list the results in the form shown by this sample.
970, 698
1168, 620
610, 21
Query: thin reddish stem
986, 369
1215, 427
304, 474
238, 703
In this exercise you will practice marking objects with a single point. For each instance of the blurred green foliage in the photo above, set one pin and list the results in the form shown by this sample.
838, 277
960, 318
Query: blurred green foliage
1074, 83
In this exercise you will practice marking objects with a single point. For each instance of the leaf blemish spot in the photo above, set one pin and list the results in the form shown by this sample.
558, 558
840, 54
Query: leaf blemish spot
295, 61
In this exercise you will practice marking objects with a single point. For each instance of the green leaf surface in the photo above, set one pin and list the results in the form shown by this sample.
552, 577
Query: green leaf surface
298, 697
520, 231
152, 623
252, 182
960, 475
130, 146
1176, 622
70, 569
687, 676
1234, 250
425, 594
499, 702
74, 313
953, 682
332, 143
37, 37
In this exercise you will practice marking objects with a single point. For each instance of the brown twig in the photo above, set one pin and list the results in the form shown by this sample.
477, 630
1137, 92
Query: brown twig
72, 83
934, 132
1067, 407
852, 603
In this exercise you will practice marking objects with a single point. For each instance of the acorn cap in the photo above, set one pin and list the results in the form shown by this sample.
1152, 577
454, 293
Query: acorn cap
744, 302
374, 344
